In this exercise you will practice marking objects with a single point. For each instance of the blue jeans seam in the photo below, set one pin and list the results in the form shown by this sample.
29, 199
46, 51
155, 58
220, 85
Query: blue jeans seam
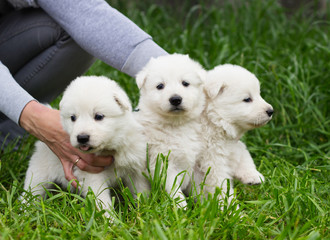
40, 66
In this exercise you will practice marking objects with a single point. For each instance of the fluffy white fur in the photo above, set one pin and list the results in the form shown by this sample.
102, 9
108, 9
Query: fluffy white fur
234, 106
117, 134
170, 105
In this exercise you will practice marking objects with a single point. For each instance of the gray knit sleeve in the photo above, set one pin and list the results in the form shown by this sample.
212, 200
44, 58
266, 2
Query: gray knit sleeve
104, 32
13, 97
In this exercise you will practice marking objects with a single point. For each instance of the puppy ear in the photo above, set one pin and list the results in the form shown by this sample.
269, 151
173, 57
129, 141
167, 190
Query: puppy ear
214, 87
61, 103
202, 75
141, 78
123, 101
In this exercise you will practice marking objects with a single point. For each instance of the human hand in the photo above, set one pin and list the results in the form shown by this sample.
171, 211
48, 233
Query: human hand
45, 124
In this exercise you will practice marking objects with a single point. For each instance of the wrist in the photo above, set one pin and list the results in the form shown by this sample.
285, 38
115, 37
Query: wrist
30, 113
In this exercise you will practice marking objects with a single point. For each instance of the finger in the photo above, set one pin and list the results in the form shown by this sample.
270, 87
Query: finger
97, 161
84, 166
68, 172
74, 183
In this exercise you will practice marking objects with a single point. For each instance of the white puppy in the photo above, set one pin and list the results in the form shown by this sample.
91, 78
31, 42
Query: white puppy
233, 106
170, 105
96, 113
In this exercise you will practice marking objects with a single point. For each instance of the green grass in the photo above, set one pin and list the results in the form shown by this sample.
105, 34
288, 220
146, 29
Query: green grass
291, 57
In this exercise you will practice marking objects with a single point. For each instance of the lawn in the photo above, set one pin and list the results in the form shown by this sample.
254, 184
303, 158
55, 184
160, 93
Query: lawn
290, 54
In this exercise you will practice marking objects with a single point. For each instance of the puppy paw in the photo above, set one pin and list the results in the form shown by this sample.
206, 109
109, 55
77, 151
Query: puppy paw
251, 177
182, 204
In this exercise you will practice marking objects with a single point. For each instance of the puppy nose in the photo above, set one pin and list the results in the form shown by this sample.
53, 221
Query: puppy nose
270, 112
175, 100
83, 138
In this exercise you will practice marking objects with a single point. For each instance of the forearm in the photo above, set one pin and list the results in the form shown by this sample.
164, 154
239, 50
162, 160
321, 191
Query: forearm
13, 97
104, 32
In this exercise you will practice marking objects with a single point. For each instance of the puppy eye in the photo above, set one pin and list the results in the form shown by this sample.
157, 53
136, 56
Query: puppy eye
73, 118
160, 86
98, 117
186, 84
247, 100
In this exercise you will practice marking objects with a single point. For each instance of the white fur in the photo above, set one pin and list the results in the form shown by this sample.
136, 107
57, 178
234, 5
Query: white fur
167, 129
224, 121
118, 134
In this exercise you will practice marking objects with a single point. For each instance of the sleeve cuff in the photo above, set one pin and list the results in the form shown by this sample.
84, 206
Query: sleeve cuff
13, 98
141, 55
